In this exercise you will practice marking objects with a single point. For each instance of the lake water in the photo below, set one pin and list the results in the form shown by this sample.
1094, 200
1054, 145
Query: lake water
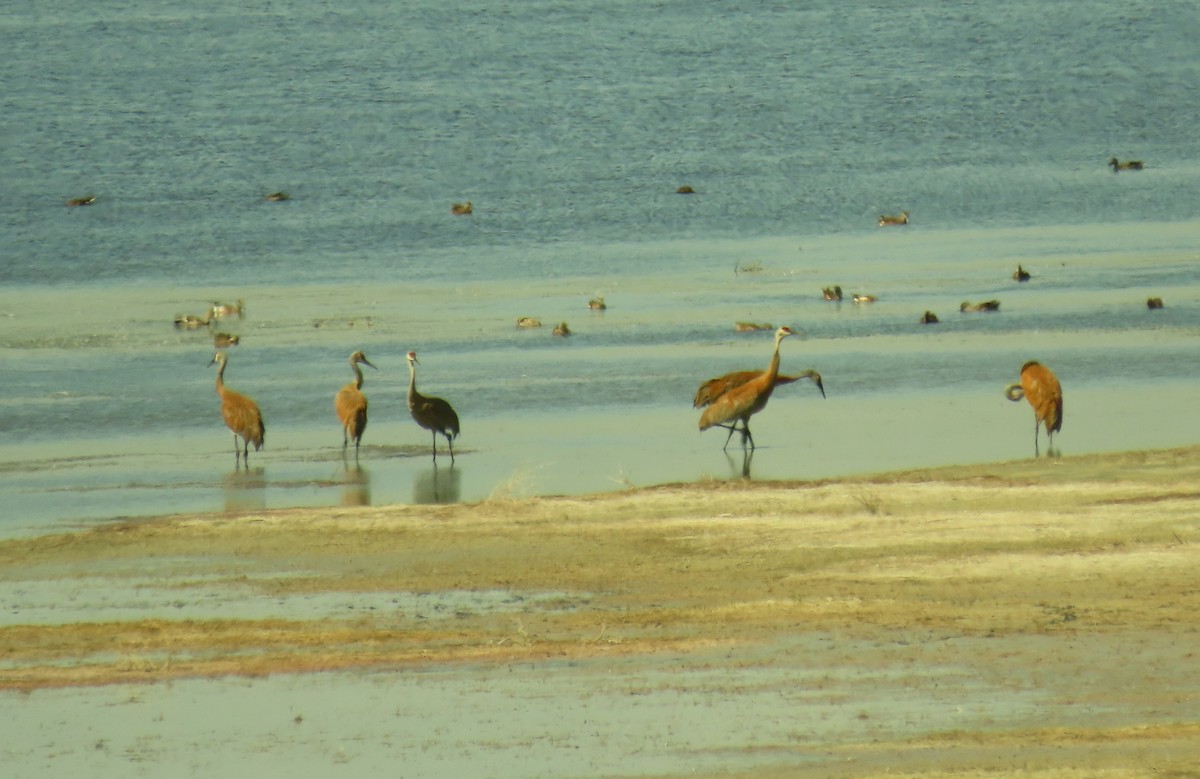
569, 126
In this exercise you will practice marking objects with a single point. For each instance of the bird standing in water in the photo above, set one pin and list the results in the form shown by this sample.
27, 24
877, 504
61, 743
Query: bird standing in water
433, 414
1040, 387
712, 389
743, 402
351, 405
240, 413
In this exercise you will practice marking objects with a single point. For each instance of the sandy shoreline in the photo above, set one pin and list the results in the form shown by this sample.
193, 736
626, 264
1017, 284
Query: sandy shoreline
1021, 618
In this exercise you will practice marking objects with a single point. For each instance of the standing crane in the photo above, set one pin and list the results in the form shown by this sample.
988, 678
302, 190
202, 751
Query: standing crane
433, 414
714, 388
240, 413
1040, 387
351, 405
743, 402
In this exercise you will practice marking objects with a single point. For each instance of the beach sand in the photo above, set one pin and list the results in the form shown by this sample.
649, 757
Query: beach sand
1029, 618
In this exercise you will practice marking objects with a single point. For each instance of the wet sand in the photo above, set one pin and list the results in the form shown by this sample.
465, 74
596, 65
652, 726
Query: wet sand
1029, 618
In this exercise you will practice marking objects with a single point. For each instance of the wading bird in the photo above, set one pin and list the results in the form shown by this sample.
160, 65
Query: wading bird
743, 402
1117, 165
713, 389
240, 413
351, 405
433, 414
893, 221
1040, 387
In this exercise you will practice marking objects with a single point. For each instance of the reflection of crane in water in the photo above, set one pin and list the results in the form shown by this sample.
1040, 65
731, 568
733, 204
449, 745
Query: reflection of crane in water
351, 405
1040, 387
433, 414
741, 403
240, 413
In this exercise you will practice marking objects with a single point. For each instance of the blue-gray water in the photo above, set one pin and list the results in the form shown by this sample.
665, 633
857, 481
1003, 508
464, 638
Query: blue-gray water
569, 125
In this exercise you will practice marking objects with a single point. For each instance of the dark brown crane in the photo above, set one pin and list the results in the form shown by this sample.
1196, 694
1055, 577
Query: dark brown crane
433, 414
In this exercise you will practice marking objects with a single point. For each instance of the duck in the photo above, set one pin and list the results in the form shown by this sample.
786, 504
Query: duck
81, 201
277, 197
928, 318
893, 221
462, 209
1153, 303
220, 309
224, 340
832, 293
987, 305
597, 304
864, 298
528, 322
750, 327
561, 329
685, 190
1020, 274
1117, 165
190, 322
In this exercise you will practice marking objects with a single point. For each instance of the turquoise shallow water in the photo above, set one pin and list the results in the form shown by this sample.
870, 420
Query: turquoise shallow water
569, 127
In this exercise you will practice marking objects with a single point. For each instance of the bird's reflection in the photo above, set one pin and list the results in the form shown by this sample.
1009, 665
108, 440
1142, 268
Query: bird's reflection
245, 490
747, 457
437, 485
356, 486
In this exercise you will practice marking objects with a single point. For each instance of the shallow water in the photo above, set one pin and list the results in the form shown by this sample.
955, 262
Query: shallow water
796, 126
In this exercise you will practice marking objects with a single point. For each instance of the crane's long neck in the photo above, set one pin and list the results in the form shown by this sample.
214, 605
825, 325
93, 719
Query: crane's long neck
412, 381
220, 376
358, 374
773, 368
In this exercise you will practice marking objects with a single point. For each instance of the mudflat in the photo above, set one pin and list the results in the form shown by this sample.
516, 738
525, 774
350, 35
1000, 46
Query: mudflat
1031, 618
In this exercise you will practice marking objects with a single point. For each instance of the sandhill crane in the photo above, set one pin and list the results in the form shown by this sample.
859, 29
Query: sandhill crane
1117, 165
240, 413
1040, 387
713, 389
351, 405
893, 221
433, 414
743, 402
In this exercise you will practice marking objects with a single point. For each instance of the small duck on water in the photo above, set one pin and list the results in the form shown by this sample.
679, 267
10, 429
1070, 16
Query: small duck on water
893, 221
528, 322
987, 305
462, 209
225, 340
1118, 166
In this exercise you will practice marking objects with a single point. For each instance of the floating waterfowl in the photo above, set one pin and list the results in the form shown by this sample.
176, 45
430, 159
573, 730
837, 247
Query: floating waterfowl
597, 304
277, 197
864, 299
928, 318
1020, 274
224, 340
462, 209
750, 327
561, 329
220, 309
685, 190
987, 305
1153, 303
1117, 165
189, 322
832, 293
528, 322
81, 201
893, 221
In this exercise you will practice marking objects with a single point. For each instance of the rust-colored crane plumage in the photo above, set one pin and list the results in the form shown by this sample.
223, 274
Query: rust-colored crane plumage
351, 405
1040, 387
433, 414
743, 402
240, 413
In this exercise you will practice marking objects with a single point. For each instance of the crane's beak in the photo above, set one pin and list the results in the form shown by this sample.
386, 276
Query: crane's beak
820, 385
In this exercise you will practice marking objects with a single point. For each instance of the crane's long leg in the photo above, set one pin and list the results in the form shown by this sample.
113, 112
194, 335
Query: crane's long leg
450, 443
434, 434
746, 435
1035, 437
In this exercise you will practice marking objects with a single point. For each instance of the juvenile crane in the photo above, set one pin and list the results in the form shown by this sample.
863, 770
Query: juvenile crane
741, 403
1040, 387
713, 389
240, 413
433, 414
351, 405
